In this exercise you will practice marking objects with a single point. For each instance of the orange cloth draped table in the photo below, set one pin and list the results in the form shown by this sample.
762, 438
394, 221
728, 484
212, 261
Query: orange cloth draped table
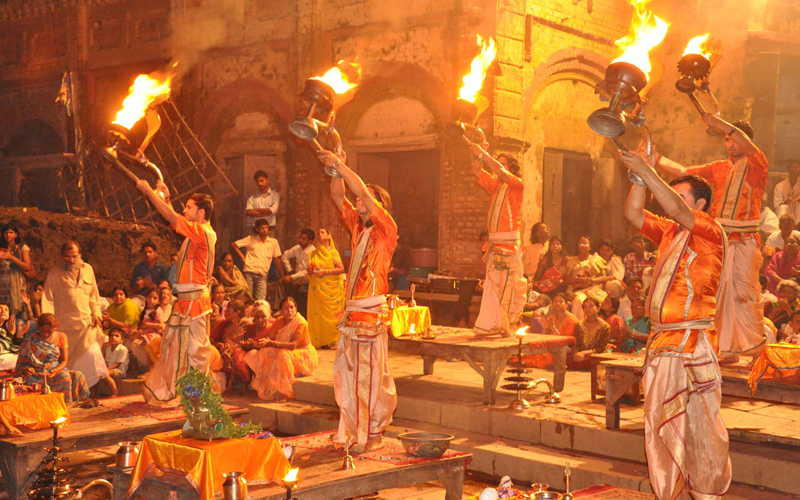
782, 356
33, 411
204, 462
404, 316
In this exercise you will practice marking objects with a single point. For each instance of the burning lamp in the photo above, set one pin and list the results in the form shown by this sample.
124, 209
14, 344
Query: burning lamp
317, 99
470, 104
291, 481
698, 60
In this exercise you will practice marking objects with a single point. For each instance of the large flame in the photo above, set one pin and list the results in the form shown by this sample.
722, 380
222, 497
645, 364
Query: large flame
648, 31
342, 81
522, 331
474, 80
291, 475
144, 91
697, 45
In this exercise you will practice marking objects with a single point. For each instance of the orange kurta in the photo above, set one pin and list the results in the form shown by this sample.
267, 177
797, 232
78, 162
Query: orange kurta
738, 190
686, 291
368, 275
505, 212
195, 264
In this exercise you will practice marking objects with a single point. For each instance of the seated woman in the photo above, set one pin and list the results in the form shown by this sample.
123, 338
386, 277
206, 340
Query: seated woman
145, 341
558, 322
47, 352
782, 265
230, 277
608, 311
637, 329
122, 313
10, 338
591, 335
550, 273
287, 353
585, 275
781, 313
228, 335
256, 336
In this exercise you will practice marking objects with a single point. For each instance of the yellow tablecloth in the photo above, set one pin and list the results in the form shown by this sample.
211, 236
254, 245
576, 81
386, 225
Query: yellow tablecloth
33, 411
403, 317
781, 356
203, 463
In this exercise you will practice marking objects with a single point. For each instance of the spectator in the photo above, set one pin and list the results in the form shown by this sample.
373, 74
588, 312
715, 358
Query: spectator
150, 271
173, 270
791, 332
10, 338
255, 337
583, 272
47, 351
591, 335
608, 311
122, 313
36, 299
768, 222
295, 284
634, 289
165, 301
116, 356
326, 292
783, 265
636, 261
787, 193
540, 234
70, 292
218, 305
552, 269
561, 321
287, 353
261, 249
145, 342
264, 205
788, 292
786, 225
613, 270
15, 264
229, 275
228, 336
637, 328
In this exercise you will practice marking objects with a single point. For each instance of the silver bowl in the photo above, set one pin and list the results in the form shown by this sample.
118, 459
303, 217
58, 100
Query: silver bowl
425, 444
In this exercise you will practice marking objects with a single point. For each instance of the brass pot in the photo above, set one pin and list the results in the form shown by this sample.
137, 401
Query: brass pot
235, 486
127, 454
393, 301
6, 390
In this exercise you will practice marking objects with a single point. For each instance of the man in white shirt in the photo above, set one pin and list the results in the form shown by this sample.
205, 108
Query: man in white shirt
261, 249
786, 225
787, 193
296, 282
264, 205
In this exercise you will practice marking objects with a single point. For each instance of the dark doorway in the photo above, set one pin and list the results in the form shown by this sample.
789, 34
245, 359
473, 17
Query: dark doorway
568, 189
412, 179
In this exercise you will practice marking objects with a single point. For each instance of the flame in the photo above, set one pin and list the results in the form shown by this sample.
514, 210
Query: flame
292, 475
144, 91
342, 81
698, 45
478, 68
412, 329
522, 331
648, 31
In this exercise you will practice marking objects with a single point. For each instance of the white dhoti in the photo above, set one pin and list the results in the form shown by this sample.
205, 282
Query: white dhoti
363, 383
85, 353
740, 310
685, 438
184, 343
504, 289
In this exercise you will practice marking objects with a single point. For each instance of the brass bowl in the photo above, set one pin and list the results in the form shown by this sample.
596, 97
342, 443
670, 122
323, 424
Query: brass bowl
547, 495
425, 444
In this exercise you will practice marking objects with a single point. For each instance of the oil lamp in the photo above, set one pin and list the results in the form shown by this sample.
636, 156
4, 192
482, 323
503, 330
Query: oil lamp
470, 103
317, 98
290, 482
699, 58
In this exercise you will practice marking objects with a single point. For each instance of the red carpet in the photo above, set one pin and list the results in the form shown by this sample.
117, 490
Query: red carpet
608, 492
134, 405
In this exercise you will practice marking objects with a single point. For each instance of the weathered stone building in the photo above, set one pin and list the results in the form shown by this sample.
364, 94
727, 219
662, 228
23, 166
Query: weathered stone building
244, 62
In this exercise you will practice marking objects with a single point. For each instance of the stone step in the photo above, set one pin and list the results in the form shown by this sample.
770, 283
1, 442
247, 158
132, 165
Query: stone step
586, 449
129, 386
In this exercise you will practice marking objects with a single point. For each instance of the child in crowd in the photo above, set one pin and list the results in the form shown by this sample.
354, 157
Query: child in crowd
638, 328
116, 356
151, 326
791, 331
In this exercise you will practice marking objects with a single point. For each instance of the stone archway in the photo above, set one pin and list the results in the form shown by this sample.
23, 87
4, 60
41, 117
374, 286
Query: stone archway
33, 137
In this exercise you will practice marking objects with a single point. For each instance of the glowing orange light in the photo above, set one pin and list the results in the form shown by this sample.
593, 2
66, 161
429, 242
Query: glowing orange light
648, 30
342, 81
697, 45
412, 329
474, 80
291, 476
521, 332
145, 91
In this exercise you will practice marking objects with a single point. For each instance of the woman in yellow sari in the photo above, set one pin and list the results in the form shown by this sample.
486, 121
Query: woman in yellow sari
325, 292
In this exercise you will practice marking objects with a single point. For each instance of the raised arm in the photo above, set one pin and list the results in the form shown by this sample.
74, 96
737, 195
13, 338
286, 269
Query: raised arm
673, 169
161, 204
670, 201
731, 132
349, 177
495, 166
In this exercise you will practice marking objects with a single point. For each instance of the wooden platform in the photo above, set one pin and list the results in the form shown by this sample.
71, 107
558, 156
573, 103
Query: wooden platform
321, 479
89, 429
623, 374
488, 356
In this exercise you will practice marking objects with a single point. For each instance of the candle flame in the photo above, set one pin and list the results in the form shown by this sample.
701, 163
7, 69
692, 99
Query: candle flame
697, 45
522, 331
292, 475
648, 30
412, 329
474, 80
145, 91
342, 77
